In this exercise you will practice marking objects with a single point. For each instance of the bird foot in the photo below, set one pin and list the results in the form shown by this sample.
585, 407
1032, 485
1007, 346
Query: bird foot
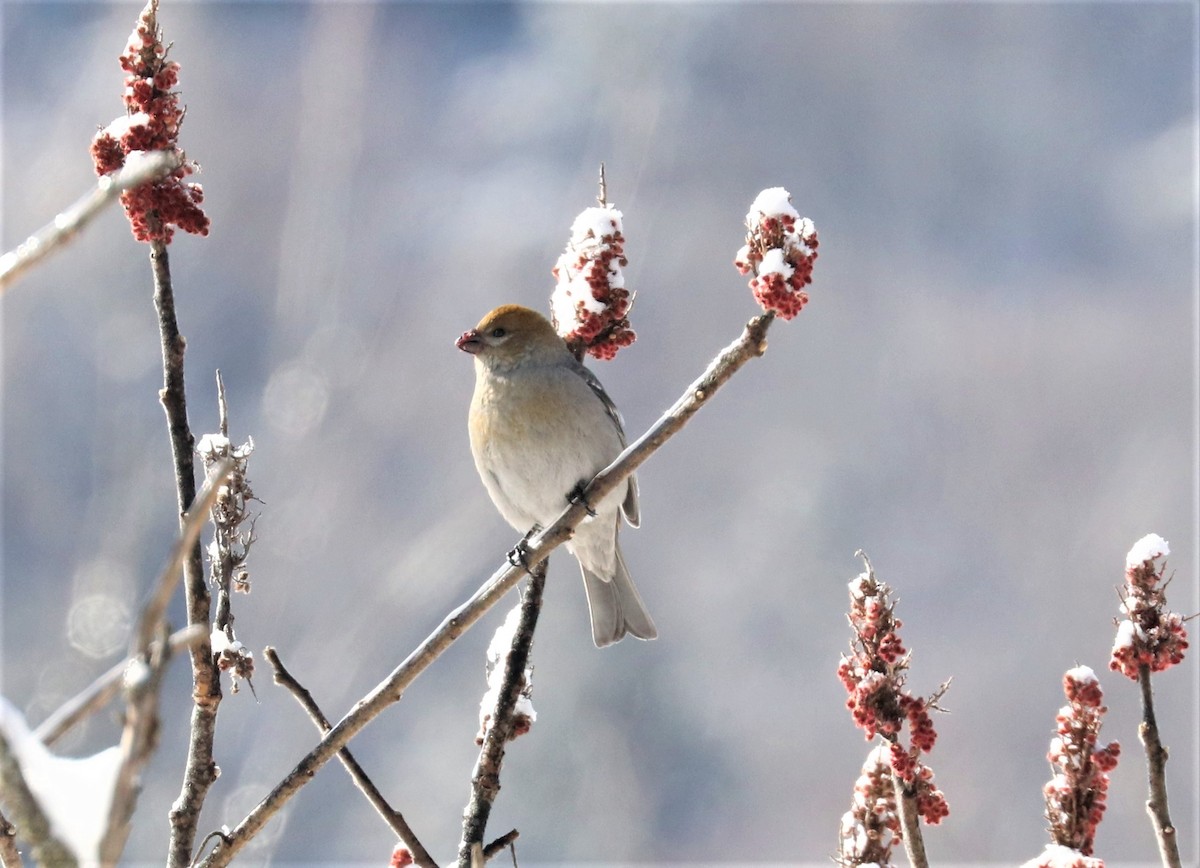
518, 555
577, 496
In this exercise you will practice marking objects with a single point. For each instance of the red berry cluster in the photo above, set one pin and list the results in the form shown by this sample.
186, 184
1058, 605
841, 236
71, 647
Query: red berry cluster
1075, 796
590, 304
152, 120
1150, 634
874, 675
871, 827
780, 251
401, 857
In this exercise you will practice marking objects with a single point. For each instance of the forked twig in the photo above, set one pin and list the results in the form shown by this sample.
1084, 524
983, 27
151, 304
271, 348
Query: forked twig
390, 815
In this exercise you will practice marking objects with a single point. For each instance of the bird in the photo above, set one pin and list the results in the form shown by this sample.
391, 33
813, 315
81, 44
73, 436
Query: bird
541, 426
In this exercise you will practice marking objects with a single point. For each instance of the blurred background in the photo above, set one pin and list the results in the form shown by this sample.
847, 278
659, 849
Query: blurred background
992, 392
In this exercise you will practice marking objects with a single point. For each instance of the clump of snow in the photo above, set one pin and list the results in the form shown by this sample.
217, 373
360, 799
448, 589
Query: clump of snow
75, 794
1148, 548
498, 650
590, 302
125, 123
771, 202
1082, 675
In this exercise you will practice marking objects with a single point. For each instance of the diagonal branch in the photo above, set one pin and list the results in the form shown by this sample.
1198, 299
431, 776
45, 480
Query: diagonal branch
72, 221
390, 815
751, 344
485, 780
101, 692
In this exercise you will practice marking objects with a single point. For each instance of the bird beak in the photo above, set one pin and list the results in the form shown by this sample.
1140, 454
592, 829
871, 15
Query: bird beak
470, 342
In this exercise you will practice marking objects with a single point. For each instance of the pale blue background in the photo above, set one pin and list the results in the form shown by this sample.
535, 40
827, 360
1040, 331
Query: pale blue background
992, 392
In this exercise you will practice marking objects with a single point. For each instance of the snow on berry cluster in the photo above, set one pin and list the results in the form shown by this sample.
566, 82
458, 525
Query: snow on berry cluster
780, 250
1076, 794
874, 675
871, 827
151, 123
1150, 634
590, 304
1057, 856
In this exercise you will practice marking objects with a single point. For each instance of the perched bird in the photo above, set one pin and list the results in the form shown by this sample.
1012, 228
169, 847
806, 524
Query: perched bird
541, 426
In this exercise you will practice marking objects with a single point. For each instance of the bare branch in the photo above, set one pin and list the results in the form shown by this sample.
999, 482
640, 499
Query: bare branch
391, 816
70, 222
485, 780
101, 691
1156, 773
505, 840
751, 344
31, 819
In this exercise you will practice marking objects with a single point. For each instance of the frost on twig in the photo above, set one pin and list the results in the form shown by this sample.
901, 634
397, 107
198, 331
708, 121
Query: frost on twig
498, 654
229, 551
508, 712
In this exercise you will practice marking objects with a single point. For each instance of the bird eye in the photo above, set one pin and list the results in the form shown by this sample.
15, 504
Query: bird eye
498, 332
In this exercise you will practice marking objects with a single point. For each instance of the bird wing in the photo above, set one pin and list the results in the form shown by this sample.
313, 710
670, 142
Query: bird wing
630, 505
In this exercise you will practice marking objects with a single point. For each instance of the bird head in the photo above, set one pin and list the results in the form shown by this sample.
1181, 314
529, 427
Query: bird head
511, 334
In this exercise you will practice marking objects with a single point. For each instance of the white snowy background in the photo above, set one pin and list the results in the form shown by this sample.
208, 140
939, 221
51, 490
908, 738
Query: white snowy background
992, 392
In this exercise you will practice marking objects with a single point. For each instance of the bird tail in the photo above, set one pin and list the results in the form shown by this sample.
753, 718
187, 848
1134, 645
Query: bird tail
615, 606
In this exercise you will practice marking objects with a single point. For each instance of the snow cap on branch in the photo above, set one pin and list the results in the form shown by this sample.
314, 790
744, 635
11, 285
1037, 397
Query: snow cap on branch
498, 650
590, 304
780, 249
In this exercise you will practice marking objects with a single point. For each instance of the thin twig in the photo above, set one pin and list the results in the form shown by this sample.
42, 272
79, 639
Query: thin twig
391, 816
751, 344
10, 856
505, 840
154, 613
485, 780
70, 222
101, 691
151, 650
1156, 773
200, 770
31, 819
